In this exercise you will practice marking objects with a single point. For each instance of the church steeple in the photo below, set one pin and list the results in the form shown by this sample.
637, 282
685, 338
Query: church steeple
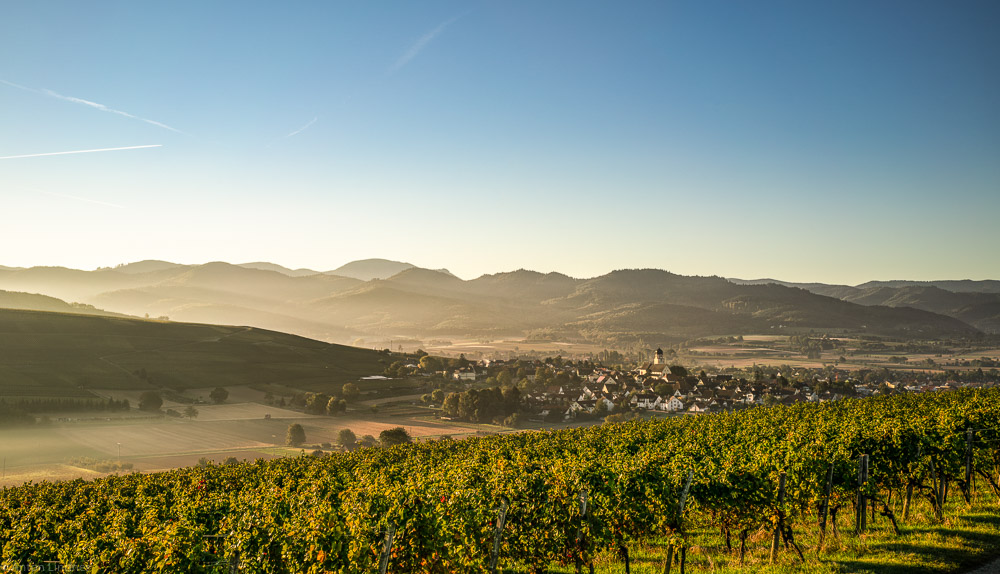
658, 358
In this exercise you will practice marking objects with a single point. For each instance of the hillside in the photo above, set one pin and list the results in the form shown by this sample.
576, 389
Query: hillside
976, 303
977, 308
35, 302
368, 269
263, 265
959, 286
411, 302
147, 266
55, 354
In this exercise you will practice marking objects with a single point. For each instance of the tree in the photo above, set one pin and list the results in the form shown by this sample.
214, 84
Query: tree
394, 436
316, 403
190, 412
218, 395
513, 421
543, 377
555, 416
678, 370
335, 406
620, 418
511, 400
437, 396
451, 404
347, 439
296, 435
431, 364
504, 378
367, 441
350, 391
601, 408
150, 401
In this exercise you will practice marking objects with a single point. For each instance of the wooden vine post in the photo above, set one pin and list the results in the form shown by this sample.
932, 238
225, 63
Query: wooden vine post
680, 521
909, 488
579, 532
501, 521
937, 492
778, 519
383, 563
967, 489
861, 506
825, 509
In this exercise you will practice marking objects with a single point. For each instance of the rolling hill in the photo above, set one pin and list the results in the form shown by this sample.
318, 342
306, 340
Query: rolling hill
422, 303
33, 301
263, 265
46, 354
976, 303
368, 269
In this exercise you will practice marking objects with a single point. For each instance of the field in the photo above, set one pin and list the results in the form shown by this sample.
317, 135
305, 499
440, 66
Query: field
510, 348
235, 429
846, 353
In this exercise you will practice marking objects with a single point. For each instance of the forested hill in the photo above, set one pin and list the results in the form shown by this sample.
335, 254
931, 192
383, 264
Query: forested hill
421, 303
45, 354
974, 302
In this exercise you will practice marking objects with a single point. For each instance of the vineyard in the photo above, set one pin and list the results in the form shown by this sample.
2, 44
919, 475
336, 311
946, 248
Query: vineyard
525, 502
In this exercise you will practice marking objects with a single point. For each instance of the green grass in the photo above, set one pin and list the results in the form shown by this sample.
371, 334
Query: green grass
57, 354
967, 538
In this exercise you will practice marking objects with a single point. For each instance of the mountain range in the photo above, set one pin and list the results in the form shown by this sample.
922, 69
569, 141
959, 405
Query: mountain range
381, 299
976, 303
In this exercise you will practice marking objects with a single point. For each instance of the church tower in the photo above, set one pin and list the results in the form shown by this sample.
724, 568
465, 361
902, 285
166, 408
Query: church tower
658, 359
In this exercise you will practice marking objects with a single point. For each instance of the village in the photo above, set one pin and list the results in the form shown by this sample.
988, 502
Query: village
562, 391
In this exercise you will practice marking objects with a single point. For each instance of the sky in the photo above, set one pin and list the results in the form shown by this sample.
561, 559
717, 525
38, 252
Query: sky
829, 141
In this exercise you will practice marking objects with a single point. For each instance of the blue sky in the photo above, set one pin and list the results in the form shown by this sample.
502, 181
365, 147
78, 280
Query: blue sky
807, 141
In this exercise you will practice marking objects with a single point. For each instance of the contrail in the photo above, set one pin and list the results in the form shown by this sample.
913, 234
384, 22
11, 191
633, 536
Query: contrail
88, 103
420, 44
302, 129
80, 151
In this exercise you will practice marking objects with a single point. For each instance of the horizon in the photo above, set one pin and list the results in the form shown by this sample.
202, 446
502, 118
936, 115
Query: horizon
838, 143
495, 272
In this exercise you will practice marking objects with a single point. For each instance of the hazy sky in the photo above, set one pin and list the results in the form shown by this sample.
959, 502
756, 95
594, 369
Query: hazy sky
835, 141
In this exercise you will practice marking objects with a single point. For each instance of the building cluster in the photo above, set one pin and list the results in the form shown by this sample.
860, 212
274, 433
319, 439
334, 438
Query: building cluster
656, 387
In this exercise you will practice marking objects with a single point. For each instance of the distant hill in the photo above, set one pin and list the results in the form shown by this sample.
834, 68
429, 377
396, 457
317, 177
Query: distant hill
35, 302
368, 269
45, 354
408, 301
147, 266
230, 294
263, 265
977, 308
974, 302
962, 286
77, 285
